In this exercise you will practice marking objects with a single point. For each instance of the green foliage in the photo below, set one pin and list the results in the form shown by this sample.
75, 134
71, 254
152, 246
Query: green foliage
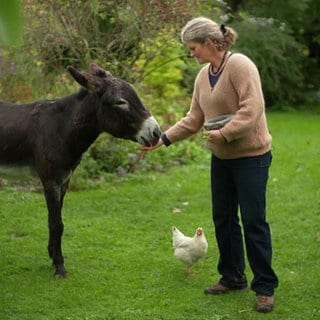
22, 78
118, 250
110, 158
139, 41
310, 36
109, 154
182, 153
277, 55
110, 32
300, 32
122, 35
161, 73
161, 78
10, 22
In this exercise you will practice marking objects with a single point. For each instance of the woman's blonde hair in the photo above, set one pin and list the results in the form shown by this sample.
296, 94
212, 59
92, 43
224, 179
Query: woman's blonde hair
199, 29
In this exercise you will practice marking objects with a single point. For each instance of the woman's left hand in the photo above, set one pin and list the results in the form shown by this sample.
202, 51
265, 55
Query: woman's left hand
215, 136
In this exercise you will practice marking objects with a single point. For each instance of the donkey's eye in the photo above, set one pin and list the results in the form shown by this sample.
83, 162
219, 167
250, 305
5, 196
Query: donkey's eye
101, 73
122, 103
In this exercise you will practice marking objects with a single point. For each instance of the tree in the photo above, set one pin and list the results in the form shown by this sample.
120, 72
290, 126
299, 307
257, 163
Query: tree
290, 58
115, 32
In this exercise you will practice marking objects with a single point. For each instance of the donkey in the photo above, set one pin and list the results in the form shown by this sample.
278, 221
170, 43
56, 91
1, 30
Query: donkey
50, 136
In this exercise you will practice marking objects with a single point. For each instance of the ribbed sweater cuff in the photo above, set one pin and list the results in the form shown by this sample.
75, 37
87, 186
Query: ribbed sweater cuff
165, 140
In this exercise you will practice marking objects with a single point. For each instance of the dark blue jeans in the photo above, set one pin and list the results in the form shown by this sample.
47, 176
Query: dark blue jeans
241, 183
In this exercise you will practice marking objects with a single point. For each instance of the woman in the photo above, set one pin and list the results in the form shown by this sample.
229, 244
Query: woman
229, 83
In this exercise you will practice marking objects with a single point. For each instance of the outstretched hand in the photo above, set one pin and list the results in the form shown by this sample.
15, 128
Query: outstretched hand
149, 148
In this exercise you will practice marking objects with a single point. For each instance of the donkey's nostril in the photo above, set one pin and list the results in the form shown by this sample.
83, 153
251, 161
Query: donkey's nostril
156, 133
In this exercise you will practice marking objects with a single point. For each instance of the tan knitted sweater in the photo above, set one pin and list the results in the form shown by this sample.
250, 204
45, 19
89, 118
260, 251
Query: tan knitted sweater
238, 91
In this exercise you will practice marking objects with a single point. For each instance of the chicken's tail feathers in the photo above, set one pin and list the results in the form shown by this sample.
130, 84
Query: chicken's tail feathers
177, 237
176, 231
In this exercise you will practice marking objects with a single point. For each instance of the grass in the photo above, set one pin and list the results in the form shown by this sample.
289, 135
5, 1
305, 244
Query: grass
117, 243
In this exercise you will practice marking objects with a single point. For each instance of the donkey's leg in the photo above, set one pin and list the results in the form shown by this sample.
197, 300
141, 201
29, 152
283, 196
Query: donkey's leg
54, 198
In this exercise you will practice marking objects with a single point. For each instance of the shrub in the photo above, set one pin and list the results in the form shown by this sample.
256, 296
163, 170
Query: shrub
269, 44
110, 158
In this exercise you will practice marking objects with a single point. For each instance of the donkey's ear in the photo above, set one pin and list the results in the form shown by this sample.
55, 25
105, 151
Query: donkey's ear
97, 71
85, 79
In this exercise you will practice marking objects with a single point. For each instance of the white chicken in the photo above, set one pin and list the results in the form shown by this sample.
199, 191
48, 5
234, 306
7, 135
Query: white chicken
189, 249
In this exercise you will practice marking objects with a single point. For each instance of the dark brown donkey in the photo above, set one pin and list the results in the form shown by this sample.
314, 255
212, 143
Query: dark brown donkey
52, 135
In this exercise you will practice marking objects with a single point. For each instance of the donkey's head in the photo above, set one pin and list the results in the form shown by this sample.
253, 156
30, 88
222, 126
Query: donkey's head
120, 111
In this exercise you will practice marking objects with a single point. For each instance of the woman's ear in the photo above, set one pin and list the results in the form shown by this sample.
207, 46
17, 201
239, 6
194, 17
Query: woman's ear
208, 42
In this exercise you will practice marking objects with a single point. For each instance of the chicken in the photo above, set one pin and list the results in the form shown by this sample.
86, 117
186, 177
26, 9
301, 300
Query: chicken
189, 250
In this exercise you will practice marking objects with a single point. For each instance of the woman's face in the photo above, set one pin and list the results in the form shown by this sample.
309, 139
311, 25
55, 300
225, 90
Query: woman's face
201, 51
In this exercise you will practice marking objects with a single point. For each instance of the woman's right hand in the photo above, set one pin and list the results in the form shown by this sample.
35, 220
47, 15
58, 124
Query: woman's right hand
149, 148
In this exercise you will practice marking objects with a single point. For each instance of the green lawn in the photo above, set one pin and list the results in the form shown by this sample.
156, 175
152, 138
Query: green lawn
118, 250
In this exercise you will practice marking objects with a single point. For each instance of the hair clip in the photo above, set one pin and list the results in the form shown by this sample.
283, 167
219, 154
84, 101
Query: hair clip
223, 29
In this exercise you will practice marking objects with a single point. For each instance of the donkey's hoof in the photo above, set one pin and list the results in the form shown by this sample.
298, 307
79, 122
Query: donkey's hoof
61, 272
